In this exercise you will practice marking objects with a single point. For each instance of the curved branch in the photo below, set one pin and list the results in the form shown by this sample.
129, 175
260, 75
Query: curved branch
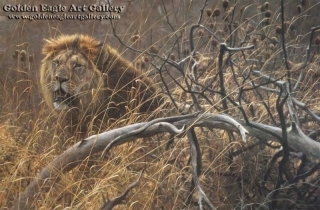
77, 153
296, 138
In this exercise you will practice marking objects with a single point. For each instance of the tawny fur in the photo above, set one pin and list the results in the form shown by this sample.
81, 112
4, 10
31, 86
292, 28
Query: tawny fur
111, 87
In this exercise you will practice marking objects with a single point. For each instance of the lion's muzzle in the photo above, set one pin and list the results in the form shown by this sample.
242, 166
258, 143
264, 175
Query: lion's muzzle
62, 100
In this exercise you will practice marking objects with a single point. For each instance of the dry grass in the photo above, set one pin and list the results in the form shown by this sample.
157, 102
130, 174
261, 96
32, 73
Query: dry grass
31, 138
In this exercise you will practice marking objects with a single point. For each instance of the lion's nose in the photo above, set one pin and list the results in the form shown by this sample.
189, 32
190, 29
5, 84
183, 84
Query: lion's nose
61, 78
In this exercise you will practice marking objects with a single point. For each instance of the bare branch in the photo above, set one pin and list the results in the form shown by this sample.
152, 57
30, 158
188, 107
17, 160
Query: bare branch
304, 107
196, 165
302, 74
108, 205
76, 154
223, 48
161, 122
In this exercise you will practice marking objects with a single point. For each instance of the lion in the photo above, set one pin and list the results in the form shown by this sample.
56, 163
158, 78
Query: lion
89, 82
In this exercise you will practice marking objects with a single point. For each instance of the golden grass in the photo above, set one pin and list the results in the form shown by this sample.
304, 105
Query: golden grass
30, 137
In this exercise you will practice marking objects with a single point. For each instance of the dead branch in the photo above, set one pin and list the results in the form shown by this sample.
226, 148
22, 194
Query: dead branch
76, 154
196, 168
143, 128
109, 204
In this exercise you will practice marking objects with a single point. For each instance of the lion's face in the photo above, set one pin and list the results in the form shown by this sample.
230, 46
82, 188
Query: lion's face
73, 80
89, 79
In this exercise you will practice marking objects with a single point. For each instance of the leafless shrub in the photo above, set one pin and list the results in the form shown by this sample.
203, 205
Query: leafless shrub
245, 79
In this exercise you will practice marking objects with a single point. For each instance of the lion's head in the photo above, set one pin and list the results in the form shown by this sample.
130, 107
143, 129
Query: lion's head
69, 76
84, 79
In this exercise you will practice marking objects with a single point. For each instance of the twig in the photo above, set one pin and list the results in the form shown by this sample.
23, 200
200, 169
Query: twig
196, 168
109, 204
223, 48
283, 43
304, 107
301, 76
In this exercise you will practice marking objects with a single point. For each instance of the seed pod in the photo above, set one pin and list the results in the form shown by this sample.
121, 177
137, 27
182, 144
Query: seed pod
242, 9
31, 58
267, 56
214, 43
249, 29
278, 30
145, 59
225, 4
209, 12
274, 40
267, 22
255, 41
154, 49
268, 14
135, 38
216, 12
173, 57
142, 64
23, 55
271, 47
292, 27
138, 64
236, 24
262, 8
299, 8
201, 32
15, 54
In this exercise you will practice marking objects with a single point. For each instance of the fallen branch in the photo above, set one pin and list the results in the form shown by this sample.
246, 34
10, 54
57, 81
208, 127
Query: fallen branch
77, 153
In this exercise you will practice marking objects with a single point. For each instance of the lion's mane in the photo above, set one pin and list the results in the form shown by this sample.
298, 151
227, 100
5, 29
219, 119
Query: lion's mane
90, 80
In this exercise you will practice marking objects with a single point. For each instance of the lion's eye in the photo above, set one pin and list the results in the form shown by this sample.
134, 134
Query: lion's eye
78, 68
55, 64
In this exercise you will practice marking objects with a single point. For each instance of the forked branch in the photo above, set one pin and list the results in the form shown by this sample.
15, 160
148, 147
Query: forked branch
76, 154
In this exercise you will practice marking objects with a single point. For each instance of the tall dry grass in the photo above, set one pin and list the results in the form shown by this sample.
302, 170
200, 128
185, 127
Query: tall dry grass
31, 137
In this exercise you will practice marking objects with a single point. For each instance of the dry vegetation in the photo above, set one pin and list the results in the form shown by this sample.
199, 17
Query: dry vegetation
266, 73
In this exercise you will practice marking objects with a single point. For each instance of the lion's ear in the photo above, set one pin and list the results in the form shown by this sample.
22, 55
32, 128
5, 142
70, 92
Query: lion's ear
102, 57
